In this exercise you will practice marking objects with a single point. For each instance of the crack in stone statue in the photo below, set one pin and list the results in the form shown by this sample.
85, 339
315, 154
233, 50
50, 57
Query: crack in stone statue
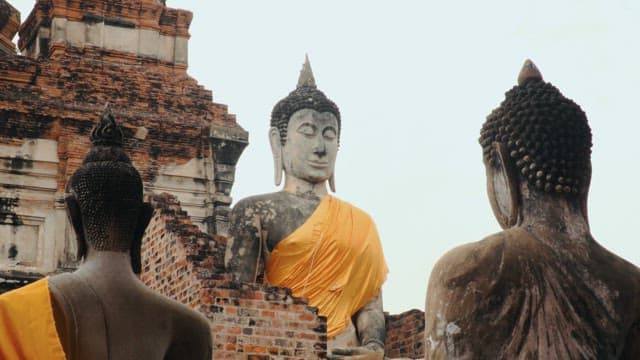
102, 310
323, 249
542, 288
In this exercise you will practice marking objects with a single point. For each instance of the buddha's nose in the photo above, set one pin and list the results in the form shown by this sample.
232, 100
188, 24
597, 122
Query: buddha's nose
319, 148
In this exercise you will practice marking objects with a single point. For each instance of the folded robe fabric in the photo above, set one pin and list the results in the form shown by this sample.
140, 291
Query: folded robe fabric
334, 260
27, 327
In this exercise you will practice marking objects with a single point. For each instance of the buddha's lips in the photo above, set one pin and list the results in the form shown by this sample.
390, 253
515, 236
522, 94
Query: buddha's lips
318, 164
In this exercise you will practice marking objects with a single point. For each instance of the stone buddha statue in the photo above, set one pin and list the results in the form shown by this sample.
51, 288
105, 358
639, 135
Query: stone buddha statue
542, 288
102, 310
322, 248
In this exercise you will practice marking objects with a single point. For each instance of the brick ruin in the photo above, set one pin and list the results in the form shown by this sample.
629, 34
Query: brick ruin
256, 320
405, 335
76, 55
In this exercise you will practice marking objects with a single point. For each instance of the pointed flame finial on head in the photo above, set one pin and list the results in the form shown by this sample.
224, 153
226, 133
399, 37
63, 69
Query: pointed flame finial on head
528, 72
107, 132
306, 75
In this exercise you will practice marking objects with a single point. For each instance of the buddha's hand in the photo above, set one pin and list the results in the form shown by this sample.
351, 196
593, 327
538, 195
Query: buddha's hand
371, 351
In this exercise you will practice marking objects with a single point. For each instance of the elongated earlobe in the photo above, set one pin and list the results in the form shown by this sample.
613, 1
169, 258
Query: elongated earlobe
502, 188
585, 194
332, 183
75, 218
144, 216
276, 150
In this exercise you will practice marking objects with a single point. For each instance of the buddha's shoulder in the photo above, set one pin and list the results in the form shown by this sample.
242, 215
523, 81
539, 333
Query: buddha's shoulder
188, 317
262, 202
615, 268
613, 260
284, 203
254, 200
182, 316
476, 261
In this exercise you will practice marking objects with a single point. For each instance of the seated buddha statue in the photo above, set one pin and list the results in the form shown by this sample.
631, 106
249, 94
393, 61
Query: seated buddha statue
542, 288
102, 310
322, 248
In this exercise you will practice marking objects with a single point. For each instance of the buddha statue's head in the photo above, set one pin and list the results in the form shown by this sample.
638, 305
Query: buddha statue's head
536, 147
304, 133
104, 196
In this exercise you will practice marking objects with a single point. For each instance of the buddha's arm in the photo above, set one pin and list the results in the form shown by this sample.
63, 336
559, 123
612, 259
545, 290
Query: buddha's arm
61, 315
370, 324
435, 309
457, 295
243, 246
449, 304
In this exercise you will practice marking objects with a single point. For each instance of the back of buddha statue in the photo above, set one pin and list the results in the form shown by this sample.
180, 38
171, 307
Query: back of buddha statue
132, 322
102, 310
543, 287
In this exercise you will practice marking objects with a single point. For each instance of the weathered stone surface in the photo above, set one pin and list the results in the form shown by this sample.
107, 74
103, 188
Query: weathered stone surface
28, 173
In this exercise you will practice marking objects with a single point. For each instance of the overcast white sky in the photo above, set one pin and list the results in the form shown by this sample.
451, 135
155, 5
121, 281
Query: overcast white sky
414, 81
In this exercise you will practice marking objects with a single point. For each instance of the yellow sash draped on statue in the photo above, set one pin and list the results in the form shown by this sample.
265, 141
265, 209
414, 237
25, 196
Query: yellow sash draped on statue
27, 328
334, 260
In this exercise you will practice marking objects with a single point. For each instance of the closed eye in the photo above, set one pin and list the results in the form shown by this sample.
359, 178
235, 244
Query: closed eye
307, 129
329, 133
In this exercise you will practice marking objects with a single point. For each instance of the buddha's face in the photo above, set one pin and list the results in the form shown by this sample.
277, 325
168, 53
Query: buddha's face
309, 152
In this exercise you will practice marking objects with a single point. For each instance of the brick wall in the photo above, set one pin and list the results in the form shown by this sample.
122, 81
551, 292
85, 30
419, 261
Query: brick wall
62, 100
60, 97
9, 23
405, 335
257, 320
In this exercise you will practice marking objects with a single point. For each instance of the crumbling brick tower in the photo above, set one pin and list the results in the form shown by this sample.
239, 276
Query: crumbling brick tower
76, 56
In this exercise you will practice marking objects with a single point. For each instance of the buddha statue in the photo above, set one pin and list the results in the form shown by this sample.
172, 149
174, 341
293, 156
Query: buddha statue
542, 288
102, 310
322, 248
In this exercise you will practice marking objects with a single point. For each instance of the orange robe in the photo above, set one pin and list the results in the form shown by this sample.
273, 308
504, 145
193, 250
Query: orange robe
27, 328
334, 260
